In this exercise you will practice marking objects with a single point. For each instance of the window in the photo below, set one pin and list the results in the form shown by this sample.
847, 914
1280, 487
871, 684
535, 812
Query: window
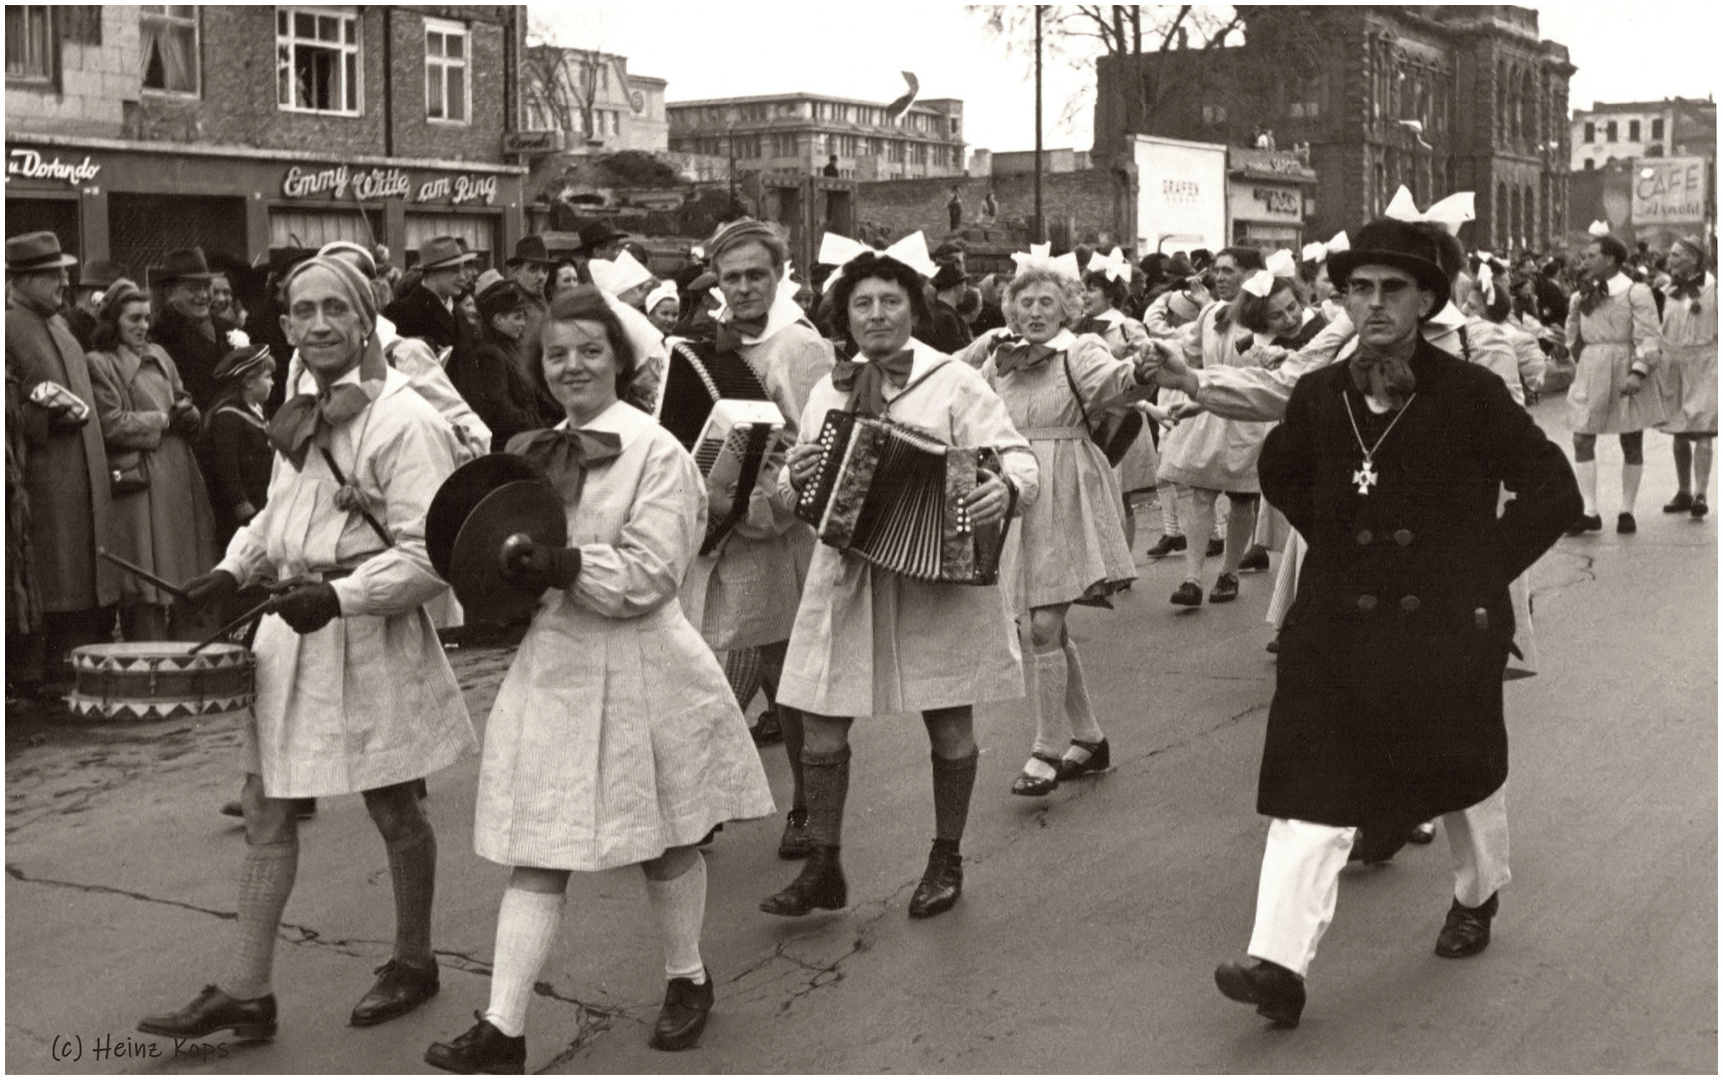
167, 47
1590, 164
894, 150
1214, 114
317, 60
447, 90
1657, 128
1633, 131
1609, 132
1590, 131
30, 43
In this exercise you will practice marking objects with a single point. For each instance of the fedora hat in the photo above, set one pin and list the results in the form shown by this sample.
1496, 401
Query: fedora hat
480, 505
180, 264
442, 252
36, 251
596, 234
100, 273
1405, 246
500, 298
949, 274
530, 249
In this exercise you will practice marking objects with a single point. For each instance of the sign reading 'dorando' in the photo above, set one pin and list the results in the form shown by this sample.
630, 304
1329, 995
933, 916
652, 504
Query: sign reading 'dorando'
1669, 191
370, 184
29, 165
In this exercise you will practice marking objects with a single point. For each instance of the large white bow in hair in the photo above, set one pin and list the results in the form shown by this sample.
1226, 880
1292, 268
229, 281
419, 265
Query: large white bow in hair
1281, 264
1486, 282
1039, 257
911, 251
1599, 228
1450, 213
1319, 251
1113, 264
617, 276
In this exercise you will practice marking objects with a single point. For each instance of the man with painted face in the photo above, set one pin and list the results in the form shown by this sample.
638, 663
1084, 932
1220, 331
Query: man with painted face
185, 327
354, 693
1388, 703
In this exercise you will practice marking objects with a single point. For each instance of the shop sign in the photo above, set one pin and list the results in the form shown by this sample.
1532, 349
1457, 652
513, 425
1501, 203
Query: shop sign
1669, 191
30, 165
368, 185
1267, 202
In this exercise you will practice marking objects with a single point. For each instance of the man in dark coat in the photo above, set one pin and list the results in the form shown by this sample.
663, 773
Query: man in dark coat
67, 475
1388, 705
949, 333
183, 325
427, 310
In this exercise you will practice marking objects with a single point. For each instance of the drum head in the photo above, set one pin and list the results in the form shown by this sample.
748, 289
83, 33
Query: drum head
460, 493
532, 507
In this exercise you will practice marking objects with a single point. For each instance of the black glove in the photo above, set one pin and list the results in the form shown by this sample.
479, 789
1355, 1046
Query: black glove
213, 587
536, 566
308, 608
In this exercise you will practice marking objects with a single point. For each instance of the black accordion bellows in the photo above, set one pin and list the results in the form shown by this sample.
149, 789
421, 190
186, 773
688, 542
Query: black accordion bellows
895, 496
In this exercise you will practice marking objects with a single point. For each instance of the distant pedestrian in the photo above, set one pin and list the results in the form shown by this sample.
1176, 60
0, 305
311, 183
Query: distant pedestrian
989, 209
427, 310
831, 168
954, 209
1688, 376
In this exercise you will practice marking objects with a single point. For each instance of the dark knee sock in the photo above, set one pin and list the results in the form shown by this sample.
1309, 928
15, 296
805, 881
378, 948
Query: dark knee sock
413, 869
742, 671
826, 779
953, 782
790, 721
265, 883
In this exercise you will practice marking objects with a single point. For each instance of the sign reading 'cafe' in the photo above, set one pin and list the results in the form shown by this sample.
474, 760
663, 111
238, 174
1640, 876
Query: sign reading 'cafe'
367, 185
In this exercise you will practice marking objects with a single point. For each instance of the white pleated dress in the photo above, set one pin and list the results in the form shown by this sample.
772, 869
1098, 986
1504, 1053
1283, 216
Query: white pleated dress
1619, 331
1688, 377
614, 735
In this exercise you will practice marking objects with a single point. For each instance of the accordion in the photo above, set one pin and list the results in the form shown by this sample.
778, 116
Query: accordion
894, 496
717, 408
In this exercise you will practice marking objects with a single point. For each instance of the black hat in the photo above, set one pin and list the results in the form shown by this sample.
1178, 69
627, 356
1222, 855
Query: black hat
36, 251
180, 264
283, 259
1400, 244
100, 273
530, 249
595, 234
949, 274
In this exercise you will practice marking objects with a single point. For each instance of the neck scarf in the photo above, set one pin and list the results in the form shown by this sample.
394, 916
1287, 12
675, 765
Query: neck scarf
565, 454
1013, 352
729, 335
1383, 377
1688, 288
864, 380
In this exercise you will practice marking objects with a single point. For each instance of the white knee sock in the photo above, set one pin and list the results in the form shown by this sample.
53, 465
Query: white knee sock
1078, 709
679, 909
527, 923
1586, 473
1171, 523
1630, 475
1051, 730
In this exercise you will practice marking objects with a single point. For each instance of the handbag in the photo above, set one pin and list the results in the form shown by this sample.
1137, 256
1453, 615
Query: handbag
129, 472
1118, 431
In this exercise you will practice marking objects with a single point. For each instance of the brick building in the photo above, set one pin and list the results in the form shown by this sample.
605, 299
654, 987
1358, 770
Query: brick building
798, 133
1440, 98
132, 129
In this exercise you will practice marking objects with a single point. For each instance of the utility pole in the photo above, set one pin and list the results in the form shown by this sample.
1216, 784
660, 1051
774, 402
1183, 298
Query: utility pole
1040, 218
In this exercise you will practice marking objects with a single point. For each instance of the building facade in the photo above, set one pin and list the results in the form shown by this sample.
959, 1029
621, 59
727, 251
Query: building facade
1439, 98
1630, 130
134, 129
593, 99
800, 132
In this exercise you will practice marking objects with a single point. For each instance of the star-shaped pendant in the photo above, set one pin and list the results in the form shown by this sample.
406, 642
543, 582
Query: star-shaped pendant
1365, 476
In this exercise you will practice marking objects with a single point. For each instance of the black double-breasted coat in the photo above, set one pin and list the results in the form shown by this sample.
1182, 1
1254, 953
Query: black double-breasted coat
1388, 704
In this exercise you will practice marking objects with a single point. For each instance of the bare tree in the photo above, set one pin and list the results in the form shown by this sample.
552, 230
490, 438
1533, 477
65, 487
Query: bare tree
561, 83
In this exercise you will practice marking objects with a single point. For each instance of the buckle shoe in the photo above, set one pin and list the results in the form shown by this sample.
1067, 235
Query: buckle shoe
212, 1011
941, 883
483, 1049
400, 989
1100, 759
821, 884
1277, 992
1466, 932
683, 1017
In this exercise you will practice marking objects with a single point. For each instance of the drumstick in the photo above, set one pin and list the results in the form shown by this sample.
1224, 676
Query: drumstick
232, 626
145, 574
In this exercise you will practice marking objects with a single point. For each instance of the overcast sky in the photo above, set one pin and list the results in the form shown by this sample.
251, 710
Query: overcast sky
1641, 50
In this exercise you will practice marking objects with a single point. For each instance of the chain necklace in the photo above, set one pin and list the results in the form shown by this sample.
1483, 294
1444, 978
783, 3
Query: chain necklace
1366, 474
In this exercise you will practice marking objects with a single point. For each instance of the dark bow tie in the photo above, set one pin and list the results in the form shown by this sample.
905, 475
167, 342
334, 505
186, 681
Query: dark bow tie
864, 380
728, 335
1685, 288
565, 455
1013, 352
307, 418
1093, 324
1385, 378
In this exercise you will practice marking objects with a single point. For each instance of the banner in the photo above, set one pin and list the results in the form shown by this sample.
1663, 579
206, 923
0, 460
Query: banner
1668, 191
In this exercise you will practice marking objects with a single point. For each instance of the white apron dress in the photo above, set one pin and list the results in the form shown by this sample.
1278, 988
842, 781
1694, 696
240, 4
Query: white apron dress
369, 700
1622, 329
614, 735
1206, 450
1071, 543
1687, 378
868, 641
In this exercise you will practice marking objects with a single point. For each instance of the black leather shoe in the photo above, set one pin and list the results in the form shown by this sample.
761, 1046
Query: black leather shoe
795, 843
1378, 844
1255, 558
1586, 523
1625, 524
1100, 759
1215, 547
1188, 594
1273, 645
683, 1017
212, 1011
1165, 546
1276, 992
1467, 929
821, 884
1225, 589
399, 991
941, 883
1682, 503
483, 1049
1700, 509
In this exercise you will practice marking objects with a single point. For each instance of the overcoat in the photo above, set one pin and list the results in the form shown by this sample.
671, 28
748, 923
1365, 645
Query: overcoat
418, 313
67, 476
1388, 703
195, 355
237, 460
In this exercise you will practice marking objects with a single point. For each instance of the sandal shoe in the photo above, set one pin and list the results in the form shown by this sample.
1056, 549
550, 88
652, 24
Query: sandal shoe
1027, 783
1098, 759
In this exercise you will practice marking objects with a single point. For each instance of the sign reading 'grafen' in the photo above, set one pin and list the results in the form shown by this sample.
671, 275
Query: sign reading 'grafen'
1669, 191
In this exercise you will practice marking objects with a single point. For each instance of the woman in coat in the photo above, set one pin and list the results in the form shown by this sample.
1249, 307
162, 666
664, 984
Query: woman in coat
1071, 545
1688, 378
594, 759
871, 642
166, 525
1613, 334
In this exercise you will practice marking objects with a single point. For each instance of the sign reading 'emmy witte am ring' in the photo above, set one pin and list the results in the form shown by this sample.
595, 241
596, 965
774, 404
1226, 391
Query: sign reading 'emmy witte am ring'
366, 185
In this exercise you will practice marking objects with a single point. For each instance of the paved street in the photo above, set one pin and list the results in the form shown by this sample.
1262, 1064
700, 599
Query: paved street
1091, 920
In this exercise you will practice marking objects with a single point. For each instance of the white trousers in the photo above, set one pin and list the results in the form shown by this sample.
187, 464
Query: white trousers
1301, 867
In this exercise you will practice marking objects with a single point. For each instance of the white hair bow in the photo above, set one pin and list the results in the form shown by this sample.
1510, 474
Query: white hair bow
1486, 282
911, 251
1040, 257
617, 276
665, 291
1281, 264
1599, 228
238, 339
1113, 264
1318, 252
1450, 213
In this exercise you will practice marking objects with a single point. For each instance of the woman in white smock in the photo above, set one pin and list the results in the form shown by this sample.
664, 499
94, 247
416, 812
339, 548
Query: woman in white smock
614, 740
1106, 288
1688, 376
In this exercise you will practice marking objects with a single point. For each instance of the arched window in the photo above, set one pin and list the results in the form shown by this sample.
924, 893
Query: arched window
1499, 216
1516, 219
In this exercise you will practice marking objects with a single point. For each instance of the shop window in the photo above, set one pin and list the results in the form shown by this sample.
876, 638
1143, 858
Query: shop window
317, 60
448, 94
167, 48
31, 44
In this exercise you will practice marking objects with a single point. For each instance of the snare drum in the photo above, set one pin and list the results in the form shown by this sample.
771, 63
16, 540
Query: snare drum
159, 680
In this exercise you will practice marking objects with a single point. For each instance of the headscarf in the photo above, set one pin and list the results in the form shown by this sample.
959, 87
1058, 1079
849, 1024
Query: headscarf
309, 417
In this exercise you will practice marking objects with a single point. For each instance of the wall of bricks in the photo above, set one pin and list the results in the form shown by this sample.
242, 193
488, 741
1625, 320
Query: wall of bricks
94, 81
415, 136
1091, 205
